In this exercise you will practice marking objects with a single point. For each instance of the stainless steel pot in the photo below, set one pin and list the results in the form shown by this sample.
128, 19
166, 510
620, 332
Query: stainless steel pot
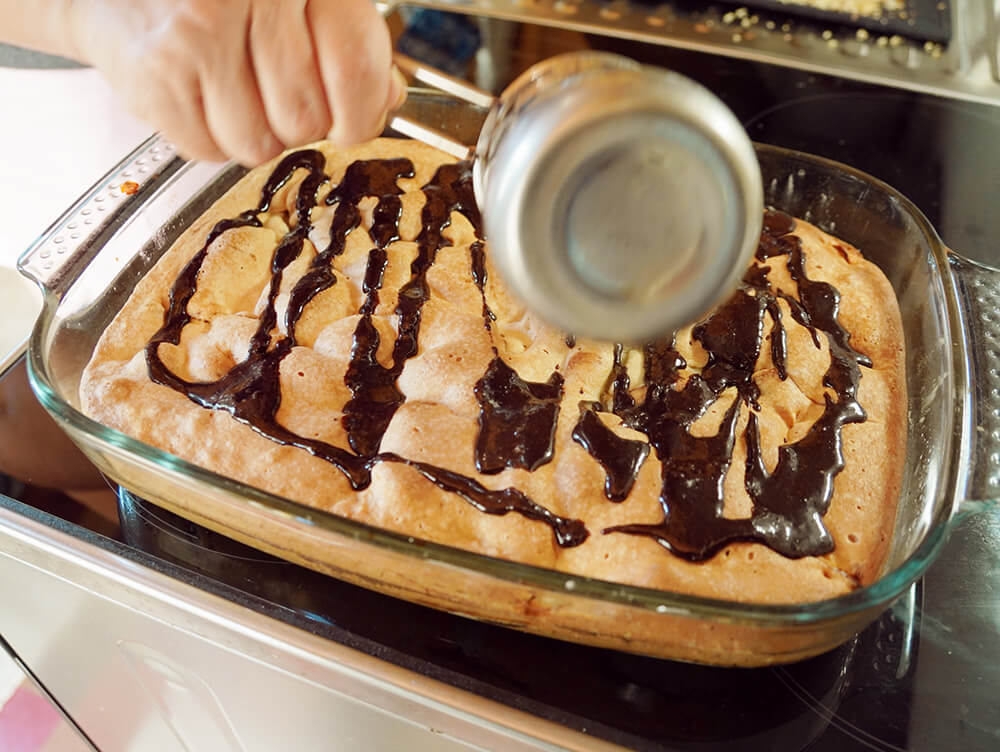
621, 201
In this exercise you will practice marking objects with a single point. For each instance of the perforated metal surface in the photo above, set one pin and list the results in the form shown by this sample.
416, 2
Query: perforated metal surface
979, 287
968, 67
923, 19
44, 261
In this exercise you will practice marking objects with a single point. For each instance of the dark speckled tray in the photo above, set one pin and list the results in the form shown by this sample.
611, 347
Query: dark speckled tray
920, 19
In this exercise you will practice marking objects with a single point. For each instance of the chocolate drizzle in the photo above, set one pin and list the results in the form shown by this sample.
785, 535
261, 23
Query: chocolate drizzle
250, 391
732, 337
788, 504
621, 458
621, 399
477, 254
374, 394
518, 418
567, 532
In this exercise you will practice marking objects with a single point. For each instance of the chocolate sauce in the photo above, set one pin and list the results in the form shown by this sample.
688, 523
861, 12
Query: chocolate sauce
518, 418
375, 396
567, 532
621, 458
692, 470
779, 340
621, 399
776, 224
251, 392
774, 238
477, 256
732, 336
788, 504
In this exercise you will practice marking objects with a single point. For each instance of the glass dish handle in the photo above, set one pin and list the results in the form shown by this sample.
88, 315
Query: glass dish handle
61, 251
978, 288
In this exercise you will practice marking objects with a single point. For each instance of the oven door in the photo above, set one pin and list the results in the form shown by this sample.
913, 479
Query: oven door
140, 661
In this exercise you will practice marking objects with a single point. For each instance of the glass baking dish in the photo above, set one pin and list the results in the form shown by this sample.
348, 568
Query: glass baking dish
89, 261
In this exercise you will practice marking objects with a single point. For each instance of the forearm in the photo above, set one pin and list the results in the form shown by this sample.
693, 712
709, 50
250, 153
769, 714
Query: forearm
43, 25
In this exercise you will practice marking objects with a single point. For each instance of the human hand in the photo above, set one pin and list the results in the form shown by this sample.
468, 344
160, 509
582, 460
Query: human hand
244, 79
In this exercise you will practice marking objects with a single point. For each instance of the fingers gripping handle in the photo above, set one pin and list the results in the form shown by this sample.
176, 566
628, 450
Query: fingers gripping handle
449, 84
979, 295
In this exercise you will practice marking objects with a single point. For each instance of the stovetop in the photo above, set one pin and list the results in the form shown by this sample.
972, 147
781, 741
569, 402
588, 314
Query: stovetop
925, 676
641, 703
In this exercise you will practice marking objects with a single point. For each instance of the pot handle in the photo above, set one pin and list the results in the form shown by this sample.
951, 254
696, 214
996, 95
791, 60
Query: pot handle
77, 235
978, 289
425, 74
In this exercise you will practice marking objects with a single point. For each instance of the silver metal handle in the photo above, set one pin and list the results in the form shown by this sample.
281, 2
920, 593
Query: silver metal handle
978, 288
431, 137
425, 74
76, 235
439, 80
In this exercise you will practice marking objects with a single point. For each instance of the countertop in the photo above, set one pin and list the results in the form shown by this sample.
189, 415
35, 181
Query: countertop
62, 129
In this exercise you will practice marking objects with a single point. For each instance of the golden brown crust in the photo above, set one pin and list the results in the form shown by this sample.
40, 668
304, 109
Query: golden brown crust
438, 422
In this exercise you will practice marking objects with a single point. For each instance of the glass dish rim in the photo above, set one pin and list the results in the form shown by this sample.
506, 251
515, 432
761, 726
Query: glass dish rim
877, 594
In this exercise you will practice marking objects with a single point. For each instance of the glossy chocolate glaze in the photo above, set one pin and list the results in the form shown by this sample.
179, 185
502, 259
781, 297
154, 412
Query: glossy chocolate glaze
477, 258
518, 418
621, 398
788, 503
251, 393
621, 458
